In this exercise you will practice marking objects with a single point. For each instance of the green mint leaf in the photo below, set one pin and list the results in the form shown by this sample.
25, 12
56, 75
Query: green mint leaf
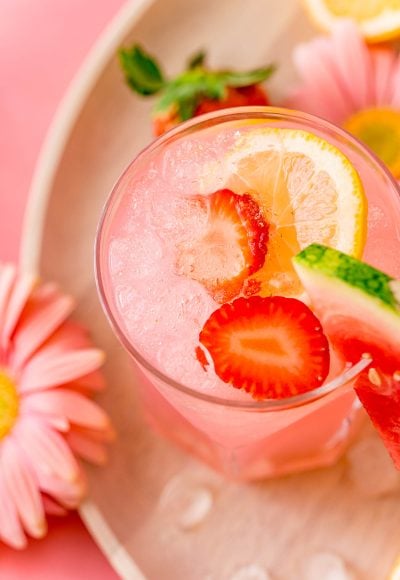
246, 79
197, 60
141, 70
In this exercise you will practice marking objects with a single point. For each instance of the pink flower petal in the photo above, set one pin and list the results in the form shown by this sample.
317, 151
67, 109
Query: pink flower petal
56, 422
354, 63
11, 531
48, 451
49, 370
44, 313
384, 61
68, 494
73, 406
23, 288
70, 336
100, 435
22, 487
317, 66
86, 448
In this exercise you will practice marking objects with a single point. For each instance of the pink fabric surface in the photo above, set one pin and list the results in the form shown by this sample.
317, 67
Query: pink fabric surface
42, 44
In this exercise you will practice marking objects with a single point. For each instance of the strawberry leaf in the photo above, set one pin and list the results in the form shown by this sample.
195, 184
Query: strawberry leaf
197, 60
246, 79
142, 72
185, 92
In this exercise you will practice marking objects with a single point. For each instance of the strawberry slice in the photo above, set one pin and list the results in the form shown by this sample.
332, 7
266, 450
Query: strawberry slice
232, 247
271, 347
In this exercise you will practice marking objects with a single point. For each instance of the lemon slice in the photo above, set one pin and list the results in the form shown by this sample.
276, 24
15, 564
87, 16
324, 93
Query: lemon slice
377, 19
309, 193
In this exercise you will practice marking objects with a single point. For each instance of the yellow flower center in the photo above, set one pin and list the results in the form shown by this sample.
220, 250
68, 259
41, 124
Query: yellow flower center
9, 404
380, 130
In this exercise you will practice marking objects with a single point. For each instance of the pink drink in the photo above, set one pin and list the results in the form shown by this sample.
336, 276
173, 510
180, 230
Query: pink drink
158, 313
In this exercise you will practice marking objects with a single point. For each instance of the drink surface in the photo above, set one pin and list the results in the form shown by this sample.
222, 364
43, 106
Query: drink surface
157, 211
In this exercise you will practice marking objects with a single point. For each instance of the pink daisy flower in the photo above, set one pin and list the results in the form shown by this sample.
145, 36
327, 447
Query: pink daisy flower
47, 370
352, 85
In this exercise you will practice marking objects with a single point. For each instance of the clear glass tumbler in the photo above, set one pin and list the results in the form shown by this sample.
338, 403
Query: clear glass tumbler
248, 439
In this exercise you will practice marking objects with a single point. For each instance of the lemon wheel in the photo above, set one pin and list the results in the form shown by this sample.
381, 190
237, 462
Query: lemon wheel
309, 192
378, 20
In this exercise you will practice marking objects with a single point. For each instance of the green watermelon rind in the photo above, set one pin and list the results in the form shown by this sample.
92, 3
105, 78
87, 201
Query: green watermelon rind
355, 275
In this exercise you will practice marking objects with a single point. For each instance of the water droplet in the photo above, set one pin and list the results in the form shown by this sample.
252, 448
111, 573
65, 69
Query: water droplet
370, 468
250, 572
187, 502
325, 566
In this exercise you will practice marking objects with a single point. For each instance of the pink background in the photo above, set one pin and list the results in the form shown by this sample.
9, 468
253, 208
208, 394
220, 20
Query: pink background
42, 44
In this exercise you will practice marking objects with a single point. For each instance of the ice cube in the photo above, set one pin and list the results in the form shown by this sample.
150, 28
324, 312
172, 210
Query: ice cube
136, 256
186, 305
180, 219
195, 165
177, 358
187, 502
325, 566
370, 468
251, 572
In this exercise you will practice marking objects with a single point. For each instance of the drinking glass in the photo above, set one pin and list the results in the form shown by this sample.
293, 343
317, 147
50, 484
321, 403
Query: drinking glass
248, 439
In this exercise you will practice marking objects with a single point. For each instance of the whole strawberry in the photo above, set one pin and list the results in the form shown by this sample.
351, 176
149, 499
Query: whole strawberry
195, 91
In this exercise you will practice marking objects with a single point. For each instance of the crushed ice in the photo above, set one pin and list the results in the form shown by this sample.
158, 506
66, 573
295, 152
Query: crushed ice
186, 502
325, 566
250, 572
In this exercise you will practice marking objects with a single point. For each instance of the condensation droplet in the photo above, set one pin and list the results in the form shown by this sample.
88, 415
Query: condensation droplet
186, 502
251, 572
370, 468
325, 566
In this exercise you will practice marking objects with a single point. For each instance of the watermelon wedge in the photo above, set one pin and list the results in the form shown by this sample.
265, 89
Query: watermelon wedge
359, 311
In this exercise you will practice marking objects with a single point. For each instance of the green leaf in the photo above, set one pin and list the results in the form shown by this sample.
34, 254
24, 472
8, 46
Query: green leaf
185, 92
245, 79
141, 70
197, 60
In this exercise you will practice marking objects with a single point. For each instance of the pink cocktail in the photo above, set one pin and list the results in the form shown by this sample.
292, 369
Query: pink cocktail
158, 309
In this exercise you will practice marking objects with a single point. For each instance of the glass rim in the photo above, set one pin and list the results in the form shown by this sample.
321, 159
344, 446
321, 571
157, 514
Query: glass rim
198, 123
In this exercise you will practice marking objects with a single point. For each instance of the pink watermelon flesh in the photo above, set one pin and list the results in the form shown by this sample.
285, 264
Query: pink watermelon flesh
361, 317
382, 403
